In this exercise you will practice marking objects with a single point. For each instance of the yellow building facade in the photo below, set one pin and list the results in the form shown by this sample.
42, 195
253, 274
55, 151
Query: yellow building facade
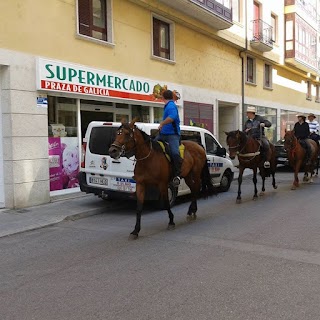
64, 63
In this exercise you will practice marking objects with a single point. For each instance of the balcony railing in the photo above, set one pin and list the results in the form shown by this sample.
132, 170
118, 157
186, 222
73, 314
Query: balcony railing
261, 35
215, 13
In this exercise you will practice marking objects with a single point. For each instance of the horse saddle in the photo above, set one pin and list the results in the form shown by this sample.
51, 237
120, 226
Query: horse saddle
166, 149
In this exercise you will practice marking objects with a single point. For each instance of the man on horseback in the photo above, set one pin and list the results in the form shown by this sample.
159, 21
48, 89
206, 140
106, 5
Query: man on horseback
302, 132
313, 127
169, 131
254, 126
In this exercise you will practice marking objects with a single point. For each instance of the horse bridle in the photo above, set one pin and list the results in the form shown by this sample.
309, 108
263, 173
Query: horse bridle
123, 147
246, 155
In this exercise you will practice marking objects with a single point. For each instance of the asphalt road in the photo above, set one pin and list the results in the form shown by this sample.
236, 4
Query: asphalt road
257, 260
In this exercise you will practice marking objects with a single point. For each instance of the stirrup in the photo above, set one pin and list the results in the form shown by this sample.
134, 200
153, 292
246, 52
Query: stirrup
266, 164
176, 181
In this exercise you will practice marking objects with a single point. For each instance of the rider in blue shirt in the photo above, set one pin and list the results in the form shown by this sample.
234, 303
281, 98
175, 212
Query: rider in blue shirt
169, 131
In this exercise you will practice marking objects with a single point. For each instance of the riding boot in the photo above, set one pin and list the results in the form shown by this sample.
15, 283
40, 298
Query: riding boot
177, 161
264, 154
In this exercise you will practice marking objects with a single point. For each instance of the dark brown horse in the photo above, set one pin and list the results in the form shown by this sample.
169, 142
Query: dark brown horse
248, 151
297, 157
152, 169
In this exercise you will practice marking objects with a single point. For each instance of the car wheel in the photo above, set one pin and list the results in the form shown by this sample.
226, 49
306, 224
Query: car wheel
172, 194
225, 181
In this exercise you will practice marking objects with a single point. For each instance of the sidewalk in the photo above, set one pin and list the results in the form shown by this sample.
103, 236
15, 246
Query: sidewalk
77, 207
73, 207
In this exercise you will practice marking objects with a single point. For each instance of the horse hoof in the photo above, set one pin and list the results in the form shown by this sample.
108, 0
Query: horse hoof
194, 216
133, 236
189, 217
238, 201
255, 198
261, 193
171, 227
275, 187
305, 179
293, 188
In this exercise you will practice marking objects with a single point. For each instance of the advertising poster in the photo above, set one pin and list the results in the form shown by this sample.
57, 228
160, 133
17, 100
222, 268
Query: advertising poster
55, 170
63, 163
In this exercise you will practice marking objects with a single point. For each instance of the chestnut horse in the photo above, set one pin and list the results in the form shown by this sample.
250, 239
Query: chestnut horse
248, 151
297, 156
153, 169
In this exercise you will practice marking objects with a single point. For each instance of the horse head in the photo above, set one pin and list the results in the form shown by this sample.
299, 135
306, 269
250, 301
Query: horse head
290, 140
235, 141
124, 143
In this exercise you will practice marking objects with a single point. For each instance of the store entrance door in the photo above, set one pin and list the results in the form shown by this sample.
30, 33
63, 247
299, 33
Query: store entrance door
228, 120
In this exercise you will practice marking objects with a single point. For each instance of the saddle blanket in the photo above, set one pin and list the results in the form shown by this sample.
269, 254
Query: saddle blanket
165, 149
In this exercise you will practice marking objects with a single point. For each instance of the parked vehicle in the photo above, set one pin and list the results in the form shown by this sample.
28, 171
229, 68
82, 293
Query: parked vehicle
281, 153
109, 178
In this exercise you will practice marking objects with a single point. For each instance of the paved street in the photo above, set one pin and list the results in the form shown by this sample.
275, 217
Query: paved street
257, 260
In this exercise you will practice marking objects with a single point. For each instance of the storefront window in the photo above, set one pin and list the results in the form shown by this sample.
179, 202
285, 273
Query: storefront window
141, 112
269, 114
63, 143
158, 114
287, 121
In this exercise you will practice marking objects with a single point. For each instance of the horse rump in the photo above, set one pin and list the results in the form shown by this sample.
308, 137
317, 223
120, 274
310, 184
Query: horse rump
207, 188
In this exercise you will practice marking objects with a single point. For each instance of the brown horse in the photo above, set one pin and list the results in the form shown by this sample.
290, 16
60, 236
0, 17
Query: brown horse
248, 151
297, 156
152, 169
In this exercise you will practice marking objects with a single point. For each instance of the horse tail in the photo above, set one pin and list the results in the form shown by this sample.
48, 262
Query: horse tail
207, 188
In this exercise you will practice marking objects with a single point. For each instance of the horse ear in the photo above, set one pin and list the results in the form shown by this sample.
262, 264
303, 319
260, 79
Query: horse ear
226, 133
123, 120
134, 120
285, 130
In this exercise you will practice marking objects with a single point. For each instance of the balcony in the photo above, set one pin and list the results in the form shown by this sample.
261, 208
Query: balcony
214, 13
261, 36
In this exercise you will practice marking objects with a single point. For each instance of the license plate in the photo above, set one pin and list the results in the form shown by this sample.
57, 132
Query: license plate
97, 180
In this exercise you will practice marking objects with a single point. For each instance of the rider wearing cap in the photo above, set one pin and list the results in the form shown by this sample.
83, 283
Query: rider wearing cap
313, 127
302, 132
254, 126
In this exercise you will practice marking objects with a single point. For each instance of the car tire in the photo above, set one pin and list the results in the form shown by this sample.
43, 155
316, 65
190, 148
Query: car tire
225, 181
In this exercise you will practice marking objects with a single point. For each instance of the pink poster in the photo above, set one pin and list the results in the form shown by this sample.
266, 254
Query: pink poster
55, 165
63, 163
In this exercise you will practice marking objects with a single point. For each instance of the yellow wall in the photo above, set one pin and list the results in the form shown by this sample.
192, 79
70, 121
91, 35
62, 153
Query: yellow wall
48, 28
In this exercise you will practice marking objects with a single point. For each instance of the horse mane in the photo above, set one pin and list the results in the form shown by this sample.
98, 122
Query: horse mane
155, 145
233, 134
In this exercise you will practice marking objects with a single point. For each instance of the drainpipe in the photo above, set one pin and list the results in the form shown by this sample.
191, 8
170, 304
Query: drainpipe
242, 56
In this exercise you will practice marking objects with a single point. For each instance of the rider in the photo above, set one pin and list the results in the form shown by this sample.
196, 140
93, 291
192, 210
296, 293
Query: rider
169, 131
255, 127
302, 132
313, 126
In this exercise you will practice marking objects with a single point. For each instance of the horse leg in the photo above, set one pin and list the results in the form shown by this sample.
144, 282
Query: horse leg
164, 196
296, 177
241, 169
254, 179
140, 200
263, 177
194, 185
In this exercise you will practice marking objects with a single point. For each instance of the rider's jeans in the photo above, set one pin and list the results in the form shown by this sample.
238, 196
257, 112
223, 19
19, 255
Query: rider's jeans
174, 141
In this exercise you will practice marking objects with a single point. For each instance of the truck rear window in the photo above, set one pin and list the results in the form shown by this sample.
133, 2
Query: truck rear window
101, 139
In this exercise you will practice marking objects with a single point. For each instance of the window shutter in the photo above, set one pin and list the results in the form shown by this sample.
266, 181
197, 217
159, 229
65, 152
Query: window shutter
84, 17
156, 37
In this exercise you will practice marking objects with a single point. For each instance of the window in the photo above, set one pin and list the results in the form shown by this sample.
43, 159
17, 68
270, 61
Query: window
267, 76
274, 22
236, 10
211, 144
94, 19
317, 93
162, 39
309, 88
191, 136
251, 70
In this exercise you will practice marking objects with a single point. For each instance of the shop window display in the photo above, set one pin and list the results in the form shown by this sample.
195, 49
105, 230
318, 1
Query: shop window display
269, 114
141, 112
63, 143
158, 114
287, 121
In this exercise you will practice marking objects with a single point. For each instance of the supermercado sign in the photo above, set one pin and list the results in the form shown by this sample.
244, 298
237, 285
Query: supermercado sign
62, 77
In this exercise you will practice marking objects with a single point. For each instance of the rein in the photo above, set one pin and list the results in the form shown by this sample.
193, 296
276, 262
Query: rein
123, 148
251, 155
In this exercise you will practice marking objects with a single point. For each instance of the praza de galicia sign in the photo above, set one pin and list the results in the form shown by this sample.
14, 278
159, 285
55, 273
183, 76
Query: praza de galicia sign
58, 76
